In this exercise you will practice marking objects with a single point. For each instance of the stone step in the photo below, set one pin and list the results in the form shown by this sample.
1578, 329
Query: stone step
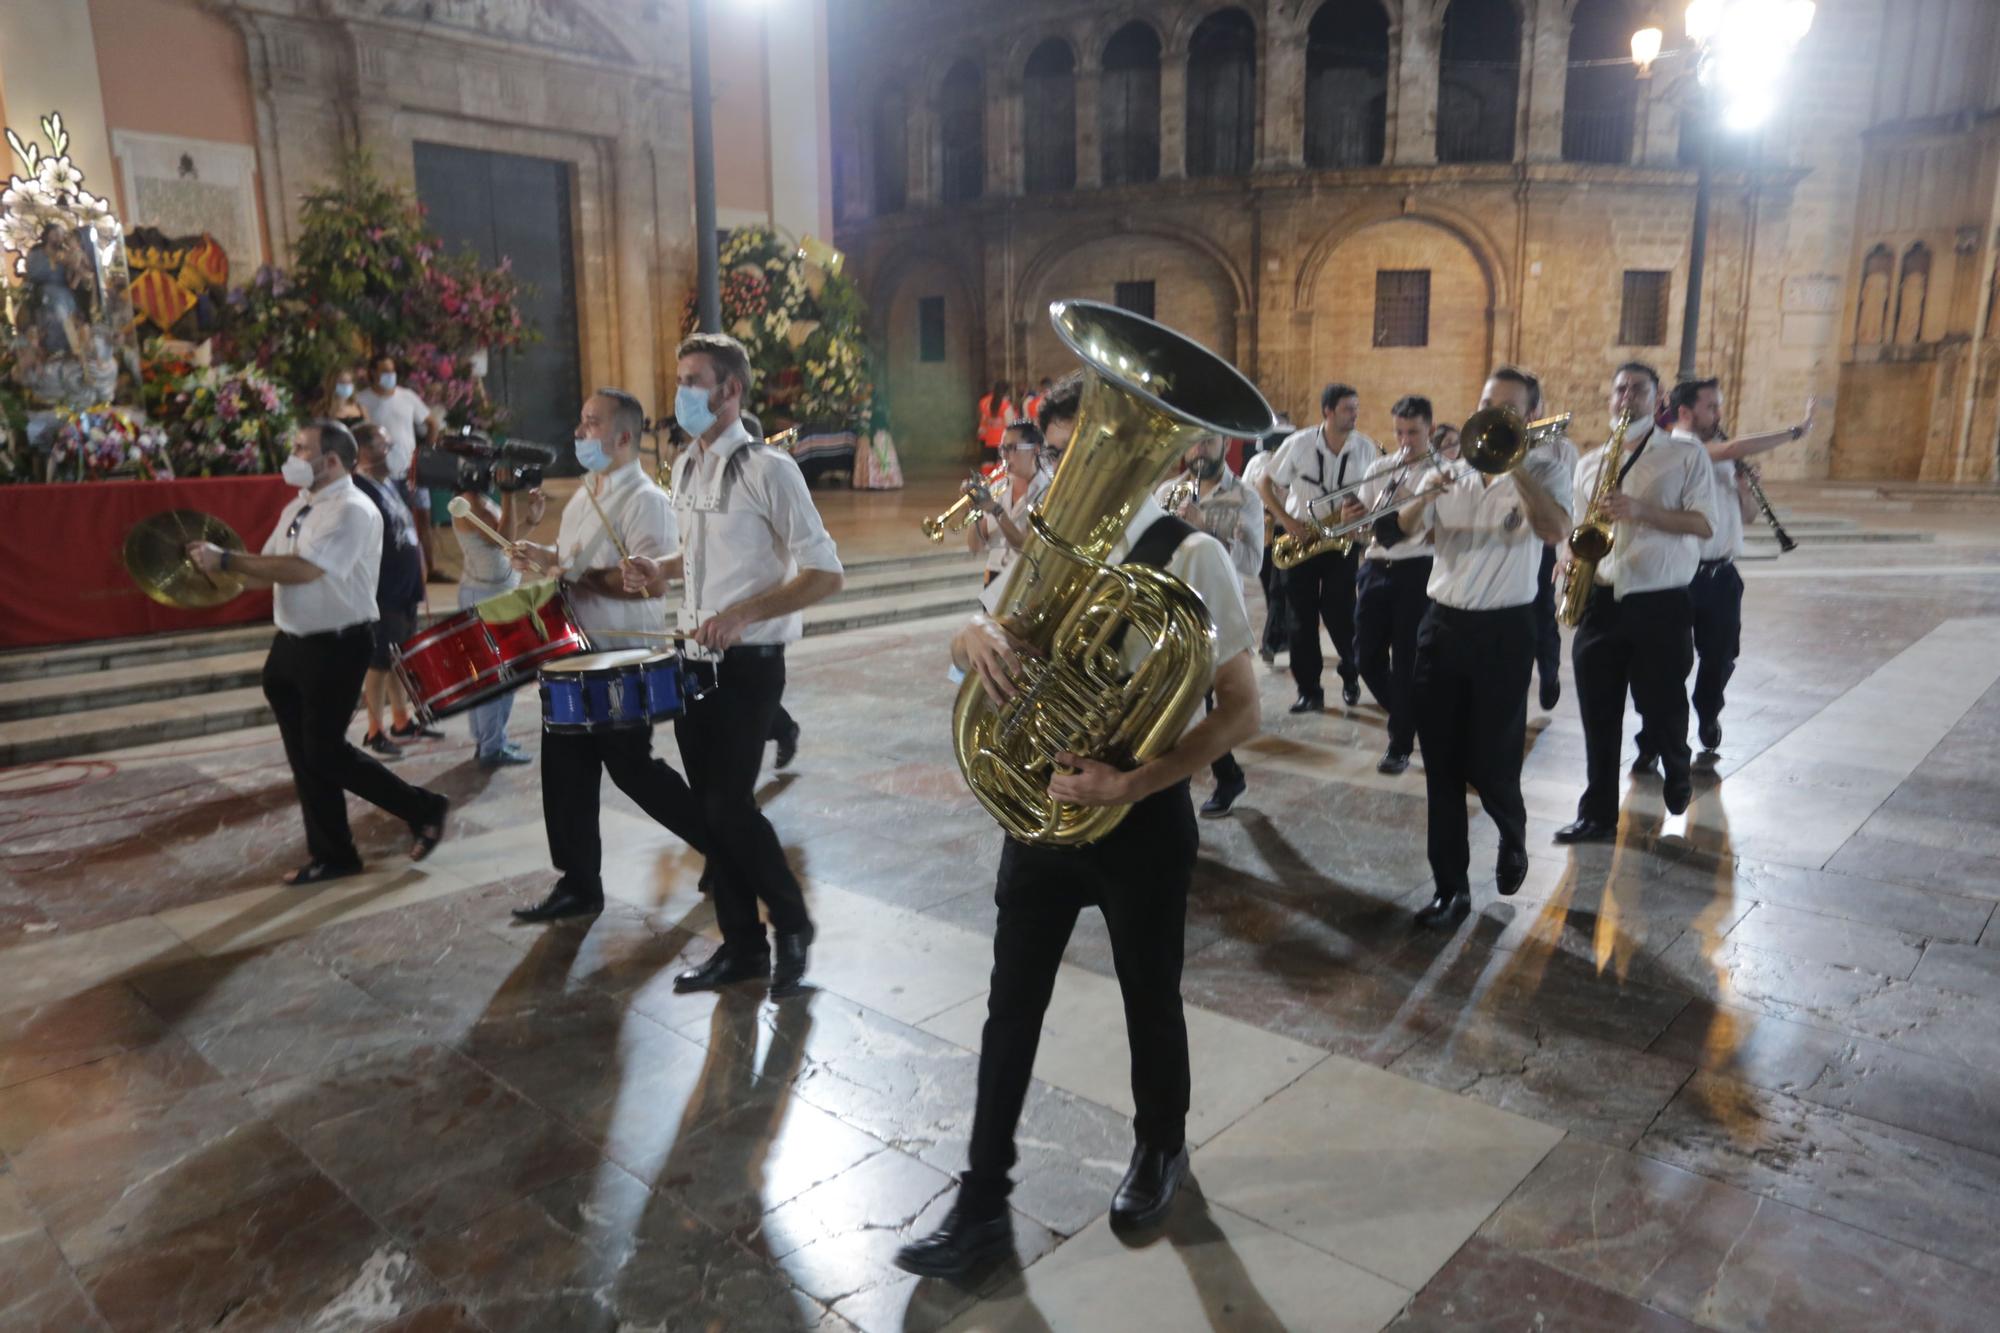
75, 692
65, 735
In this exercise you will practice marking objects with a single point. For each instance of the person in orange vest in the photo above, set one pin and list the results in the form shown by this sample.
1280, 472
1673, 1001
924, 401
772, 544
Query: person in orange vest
995, 411
1031, 408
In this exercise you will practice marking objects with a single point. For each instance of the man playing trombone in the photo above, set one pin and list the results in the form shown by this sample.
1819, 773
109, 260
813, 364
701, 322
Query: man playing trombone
1717, 590
1390, 600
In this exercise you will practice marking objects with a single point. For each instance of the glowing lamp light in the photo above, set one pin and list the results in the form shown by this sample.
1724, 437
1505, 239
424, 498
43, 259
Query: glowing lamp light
1703, 17
1646, 48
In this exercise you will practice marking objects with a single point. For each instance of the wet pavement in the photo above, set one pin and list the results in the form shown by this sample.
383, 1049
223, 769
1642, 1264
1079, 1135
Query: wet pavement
1736, 1071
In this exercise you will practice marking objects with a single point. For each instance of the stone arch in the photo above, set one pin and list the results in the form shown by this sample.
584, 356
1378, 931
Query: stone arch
1871, 309
931, 404
1023, 47
1036, 270
1913, 290
1458, 224
1462, 334
1181, 27
1199, 288
1107, 26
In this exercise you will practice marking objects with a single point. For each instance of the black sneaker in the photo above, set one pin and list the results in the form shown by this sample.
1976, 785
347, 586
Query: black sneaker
1711, 733
379, 742
1216, 806
414, 730
1393, 764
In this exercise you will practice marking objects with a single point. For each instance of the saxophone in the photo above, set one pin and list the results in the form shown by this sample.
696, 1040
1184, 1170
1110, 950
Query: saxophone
1591, 539
1150, 393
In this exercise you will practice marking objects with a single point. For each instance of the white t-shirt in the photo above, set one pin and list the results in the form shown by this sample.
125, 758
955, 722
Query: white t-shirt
340, 530
999, 554
396, 416
1309, 469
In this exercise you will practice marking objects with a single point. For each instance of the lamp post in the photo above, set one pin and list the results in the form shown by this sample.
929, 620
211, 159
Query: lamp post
708, 281
1737, 50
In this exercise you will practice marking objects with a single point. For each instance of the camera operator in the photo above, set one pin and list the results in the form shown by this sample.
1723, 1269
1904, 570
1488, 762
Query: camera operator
487, 573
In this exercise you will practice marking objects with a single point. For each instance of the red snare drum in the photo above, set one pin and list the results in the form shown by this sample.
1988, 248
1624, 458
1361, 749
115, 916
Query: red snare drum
488, 649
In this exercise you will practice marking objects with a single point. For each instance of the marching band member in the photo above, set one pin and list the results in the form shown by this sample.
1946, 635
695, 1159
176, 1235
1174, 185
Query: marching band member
1717, 590
1310, 465
1390, 600
755, 556
1548, 637
1277, 609
1638, 627
586, 557
1056, 415
1475, 654
1002, 523
1138, 876
1227, 510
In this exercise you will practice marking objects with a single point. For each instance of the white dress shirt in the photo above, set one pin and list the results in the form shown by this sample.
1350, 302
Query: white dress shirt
1309, 469
999, 554
1673, 473
750, 526
1231, 513
1562, 454
1381, 476
1725, 540
644, 521
1488, 556
338, 529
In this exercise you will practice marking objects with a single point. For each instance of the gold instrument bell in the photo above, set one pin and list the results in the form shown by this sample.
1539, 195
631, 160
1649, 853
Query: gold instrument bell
156, 557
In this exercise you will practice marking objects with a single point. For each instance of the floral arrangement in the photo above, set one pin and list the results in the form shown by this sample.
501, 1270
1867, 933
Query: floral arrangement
108, 441
289, 332
51, 193
803, 325
227, 421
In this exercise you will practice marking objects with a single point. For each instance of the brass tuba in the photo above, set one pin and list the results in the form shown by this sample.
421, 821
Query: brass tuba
1591, 539
1151, 393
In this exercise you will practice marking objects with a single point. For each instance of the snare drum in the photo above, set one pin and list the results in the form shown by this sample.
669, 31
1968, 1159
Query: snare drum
488, 649
611, 691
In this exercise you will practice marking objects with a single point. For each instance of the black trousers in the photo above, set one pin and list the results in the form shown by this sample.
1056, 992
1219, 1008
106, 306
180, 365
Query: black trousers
722, 737
1277, 606
1322, 593
1390, 600
1717, 598
1548, 639
313, 682
781, 723
1138, 877
1225, 769
1472, 711
1644, 643
572, 764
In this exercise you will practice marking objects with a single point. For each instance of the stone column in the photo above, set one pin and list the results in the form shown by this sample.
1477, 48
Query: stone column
1173, 114
1089, 156
1281, 95
1544, 79
1658, 138
1002, 135
635, 223
920, 187
1415, 48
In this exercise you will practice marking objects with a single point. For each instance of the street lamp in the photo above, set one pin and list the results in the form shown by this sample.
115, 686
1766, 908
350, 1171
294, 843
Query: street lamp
708, 279
1737, 49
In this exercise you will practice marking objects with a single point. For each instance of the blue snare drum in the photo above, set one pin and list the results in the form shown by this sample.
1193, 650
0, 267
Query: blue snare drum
610, 691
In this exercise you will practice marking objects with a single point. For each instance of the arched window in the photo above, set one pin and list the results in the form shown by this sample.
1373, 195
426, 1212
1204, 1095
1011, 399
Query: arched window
1048, 118
1222, 95
1601, 94
889, 138
1479, 80
1347, 84
1871, 314
1128, 106
962, 134
1913, 290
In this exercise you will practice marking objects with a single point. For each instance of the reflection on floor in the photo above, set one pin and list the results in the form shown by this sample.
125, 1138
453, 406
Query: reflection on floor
1735, 1072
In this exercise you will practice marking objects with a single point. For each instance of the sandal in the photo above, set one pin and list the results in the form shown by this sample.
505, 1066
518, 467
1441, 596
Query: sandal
318, 872
429, 835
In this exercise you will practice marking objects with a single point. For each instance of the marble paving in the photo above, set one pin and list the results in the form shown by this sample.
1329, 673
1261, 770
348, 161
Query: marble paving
1736, 1071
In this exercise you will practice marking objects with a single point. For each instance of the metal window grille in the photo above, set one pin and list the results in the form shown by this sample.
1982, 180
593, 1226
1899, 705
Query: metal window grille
930, 328
1136, 297
1642, 315
1403, 307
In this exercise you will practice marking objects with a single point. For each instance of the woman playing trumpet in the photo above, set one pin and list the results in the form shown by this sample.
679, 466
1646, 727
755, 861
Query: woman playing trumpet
1001, 527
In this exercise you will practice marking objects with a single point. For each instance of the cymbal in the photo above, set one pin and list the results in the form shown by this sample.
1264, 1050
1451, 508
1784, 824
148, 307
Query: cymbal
156, 558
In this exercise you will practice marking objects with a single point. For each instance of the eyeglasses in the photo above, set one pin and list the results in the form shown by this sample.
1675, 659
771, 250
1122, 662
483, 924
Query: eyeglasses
298, 519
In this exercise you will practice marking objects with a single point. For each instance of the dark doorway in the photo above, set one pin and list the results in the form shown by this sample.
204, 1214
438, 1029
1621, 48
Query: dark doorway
504, 206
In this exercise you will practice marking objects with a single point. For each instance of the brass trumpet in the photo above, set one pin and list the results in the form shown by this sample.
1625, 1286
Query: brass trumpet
962, 512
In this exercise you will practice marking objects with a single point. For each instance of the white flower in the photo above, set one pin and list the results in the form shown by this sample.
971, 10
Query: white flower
59, 176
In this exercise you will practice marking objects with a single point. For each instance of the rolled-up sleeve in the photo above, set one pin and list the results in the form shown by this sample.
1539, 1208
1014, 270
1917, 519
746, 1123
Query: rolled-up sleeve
795, 519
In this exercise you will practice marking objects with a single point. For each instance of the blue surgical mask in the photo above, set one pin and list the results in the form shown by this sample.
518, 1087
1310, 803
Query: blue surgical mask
691, 409
590, 453
343, 391
387, 381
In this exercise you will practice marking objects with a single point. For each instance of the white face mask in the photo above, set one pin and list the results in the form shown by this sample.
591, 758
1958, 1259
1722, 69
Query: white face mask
343, 390
297, 472
387, 381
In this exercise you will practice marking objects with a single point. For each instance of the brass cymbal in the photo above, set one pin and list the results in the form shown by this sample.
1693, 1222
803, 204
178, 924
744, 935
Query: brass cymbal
156, 558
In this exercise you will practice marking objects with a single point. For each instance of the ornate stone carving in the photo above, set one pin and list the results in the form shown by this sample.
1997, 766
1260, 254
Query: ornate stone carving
563, 25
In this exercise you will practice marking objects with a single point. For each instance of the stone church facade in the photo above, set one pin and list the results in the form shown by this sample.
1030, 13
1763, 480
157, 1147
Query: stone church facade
1399, 193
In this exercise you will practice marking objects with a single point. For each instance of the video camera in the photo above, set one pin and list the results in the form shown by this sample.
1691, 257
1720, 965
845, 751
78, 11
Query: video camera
468, 462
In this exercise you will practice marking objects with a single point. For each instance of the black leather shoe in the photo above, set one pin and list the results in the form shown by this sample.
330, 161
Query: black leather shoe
1149, 1187
1678, 795
1310, 703
959, 1247
725, 967
788, 747
1586, 830
1511, 870
1710, 731
1393, 764
1645, 764
561, 902
1552, 693
1350, 692
790, 967
1216, 806
1446, 909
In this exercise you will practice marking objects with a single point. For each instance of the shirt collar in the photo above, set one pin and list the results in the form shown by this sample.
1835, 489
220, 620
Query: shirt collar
331, 491
727, 443
620, 477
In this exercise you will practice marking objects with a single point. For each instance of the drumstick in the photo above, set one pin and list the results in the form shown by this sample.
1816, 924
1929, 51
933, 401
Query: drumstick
609, 531
460, 507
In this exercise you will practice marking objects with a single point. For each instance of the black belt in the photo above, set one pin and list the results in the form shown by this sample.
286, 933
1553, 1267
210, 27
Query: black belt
737, 653
358, 627
1710, 566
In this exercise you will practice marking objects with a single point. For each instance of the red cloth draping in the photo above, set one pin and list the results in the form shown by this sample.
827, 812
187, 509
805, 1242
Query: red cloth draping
64, 575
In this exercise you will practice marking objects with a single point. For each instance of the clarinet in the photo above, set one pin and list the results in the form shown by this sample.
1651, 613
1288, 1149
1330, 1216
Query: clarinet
1785, 541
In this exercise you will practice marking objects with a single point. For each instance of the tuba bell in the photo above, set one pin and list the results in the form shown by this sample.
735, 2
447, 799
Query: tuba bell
1150, 393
